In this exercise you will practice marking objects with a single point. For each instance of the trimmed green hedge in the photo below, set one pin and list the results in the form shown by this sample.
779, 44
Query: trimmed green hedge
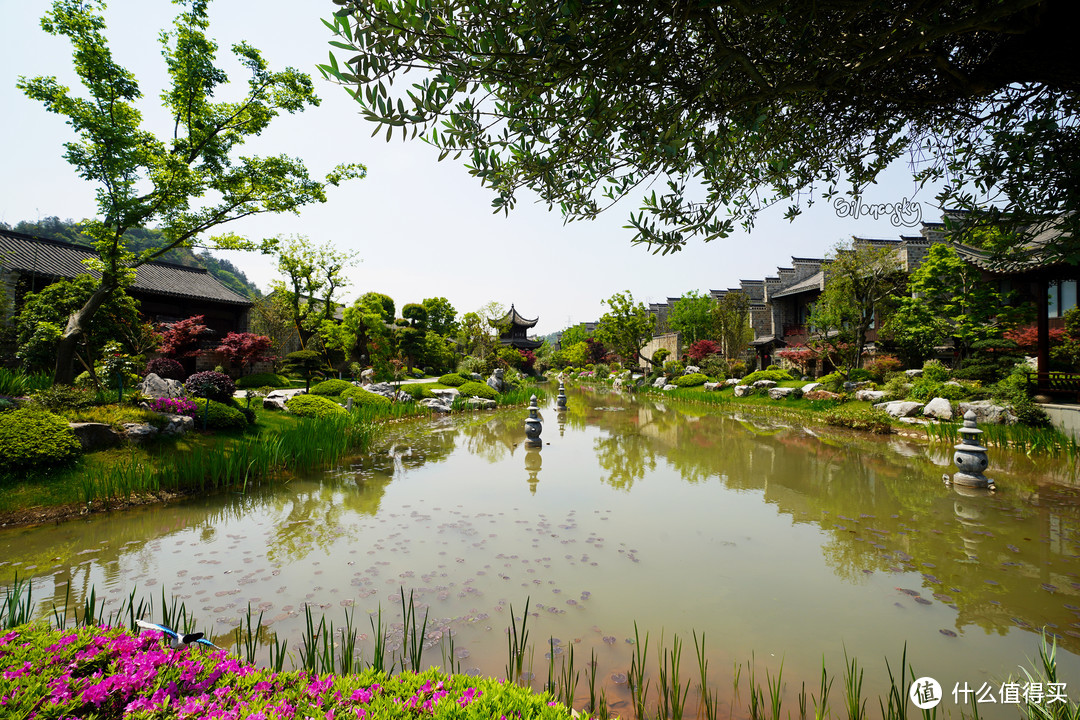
258, 380
332, 387
691, 380
221, 417
31, 437
776, 375
315, 406
473, 388
360, 396
453, 380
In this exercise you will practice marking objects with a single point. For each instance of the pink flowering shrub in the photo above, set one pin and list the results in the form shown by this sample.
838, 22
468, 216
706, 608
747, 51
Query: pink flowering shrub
108, 673
173, 406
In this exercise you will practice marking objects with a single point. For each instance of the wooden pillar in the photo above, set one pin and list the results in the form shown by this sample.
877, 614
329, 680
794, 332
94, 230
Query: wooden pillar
1042, 310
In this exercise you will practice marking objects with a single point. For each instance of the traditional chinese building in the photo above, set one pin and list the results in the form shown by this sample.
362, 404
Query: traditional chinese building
515, 331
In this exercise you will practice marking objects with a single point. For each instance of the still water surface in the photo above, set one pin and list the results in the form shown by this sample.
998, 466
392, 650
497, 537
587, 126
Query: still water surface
775, 541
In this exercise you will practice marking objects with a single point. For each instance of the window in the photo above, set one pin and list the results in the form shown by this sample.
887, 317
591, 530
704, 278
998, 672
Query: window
1062, 298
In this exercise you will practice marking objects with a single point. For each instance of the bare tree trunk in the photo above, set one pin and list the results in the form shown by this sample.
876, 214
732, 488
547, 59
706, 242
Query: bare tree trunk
64, 373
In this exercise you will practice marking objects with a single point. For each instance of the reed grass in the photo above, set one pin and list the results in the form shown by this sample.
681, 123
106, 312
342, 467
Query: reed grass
516, 641
412, 640
1021, 438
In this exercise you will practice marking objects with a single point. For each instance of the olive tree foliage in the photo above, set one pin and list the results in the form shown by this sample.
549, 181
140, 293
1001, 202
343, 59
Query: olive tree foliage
626, 327
188, 183
862, 283
733, 105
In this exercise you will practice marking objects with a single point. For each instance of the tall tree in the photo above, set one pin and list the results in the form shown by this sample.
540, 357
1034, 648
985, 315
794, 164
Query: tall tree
313, 274
626, 327
756, 102
731, 315
692, 316
189, 183
861, 283
441, 316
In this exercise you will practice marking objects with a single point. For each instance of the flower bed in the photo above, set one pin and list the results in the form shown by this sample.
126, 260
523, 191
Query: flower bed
108, 673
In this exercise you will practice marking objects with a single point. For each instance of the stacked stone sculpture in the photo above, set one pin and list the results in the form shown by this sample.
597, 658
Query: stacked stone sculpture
970, 457
533, 426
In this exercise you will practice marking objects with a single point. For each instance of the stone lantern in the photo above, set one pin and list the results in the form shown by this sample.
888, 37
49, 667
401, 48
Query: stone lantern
533, 426
560, 401
970, 457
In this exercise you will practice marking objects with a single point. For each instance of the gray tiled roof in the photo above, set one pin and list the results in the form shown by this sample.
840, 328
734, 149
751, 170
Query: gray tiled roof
51, 258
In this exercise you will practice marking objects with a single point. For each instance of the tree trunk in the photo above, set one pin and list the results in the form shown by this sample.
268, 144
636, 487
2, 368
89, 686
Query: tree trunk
64, 373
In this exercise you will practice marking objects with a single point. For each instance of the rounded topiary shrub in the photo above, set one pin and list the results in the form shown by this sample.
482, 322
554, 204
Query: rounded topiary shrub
258, 380
453, 379
331, 388
476, 389
210, 384
775, 375
165, 368
219, 417
691, 380
360, 396
30, 437
316, 406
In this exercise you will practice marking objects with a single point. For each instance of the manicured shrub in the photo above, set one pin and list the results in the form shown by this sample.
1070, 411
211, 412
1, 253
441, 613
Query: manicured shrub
331, 388
881, 366
691, 380
453, 379
737, 369
219, 417
360, 396
31, 437
165, 368
660, 356
868, 419
935, 371
210, 384
924, 389
64, 397
316, 406
418, 391
172, 406
674, 367
476, 389
258, 380
775, 375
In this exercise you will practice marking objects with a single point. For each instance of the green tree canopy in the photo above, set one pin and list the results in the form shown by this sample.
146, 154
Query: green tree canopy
313, 274
187, 184
731, 315
693, 316
626, 327
441, 316
736, 105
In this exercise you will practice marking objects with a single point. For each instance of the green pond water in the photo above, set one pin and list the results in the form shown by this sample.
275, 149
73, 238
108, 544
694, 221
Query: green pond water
780, 543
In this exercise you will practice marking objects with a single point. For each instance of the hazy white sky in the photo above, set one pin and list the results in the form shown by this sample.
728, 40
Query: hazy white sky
422, 228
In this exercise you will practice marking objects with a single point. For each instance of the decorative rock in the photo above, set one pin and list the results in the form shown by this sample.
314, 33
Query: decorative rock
178, 424
446, 394
712, 386
671, 387
985, 412
900, 408
732, 381
765, 384
477, 403
617, 384
874, 396
853, 386
438, 405
691, 369
367, 376
496, 382
914, 373
810, 387
94, 436
155, 386
743, 391
274, 403
284, 395
384, 388
660, 381
821, 395
779, 393
939, 408
139, 432
476, 376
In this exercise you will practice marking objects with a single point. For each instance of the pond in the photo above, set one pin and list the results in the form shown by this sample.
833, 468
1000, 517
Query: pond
780, 544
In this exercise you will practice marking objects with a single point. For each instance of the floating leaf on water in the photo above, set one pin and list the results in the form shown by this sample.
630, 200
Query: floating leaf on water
1048, 587
990, 582
913, 593
609, 639
923, 601
946, 632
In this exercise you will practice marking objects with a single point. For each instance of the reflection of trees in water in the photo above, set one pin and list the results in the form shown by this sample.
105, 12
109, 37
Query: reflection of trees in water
625, 456
494, 437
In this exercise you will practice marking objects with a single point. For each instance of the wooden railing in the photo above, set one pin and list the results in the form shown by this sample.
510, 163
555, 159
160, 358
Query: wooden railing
1055, 383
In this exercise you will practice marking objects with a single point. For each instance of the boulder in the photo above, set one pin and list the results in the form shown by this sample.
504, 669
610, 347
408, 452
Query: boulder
94, 436
660, 381
476, 376
367, 376
139, 432
691, 369
178, 424
900, 408
617, 384
743, 391
939, 408
821, 395
987, 412
732, 381
671, 387
439, 405
779, 393
154, 386
712, 386
496, 382
384, 388
874, 396
447, 394
765, 384
810, 387
853, 386
274, 403
914, 373
476, 403
284, 395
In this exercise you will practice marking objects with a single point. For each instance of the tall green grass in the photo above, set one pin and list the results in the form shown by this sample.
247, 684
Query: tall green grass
1022, 438
14, 382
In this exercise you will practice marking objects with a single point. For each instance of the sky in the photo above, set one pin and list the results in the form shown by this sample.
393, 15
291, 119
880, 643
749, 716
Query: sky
421, 228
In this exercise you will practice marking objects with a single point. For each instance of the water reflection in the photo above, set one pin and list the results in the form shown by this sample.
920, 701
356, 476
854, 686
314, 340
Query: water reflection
782, 539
